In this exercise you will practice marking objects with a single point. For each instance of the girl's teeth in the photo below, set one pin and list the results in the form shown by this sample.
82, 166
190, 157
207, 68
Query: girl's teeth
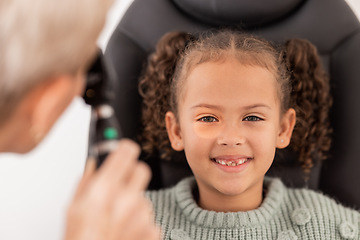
231, 163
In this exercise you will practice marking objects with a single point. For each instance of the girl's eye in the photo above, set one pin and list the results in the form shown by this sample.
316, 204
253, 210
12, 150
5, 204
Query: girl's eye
208, 119
252, 119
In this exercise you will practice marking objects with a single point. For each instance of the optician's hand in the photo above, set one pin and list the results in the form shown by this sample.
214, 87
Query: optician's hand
109, 203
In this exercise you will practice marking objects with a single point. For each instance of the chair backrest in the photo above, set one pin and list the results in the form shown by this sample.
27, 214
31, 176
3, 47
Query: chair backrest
328, 24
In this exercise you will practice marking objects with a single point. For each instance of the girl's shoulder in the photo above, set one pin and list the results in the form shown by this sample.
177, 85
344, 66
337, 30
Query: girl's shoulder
304, 197
317, 200
321, 210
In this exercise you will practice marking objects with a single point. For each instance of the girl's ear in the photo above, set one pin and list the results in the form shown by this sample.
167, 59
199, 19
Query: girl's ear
287, 124
174, 132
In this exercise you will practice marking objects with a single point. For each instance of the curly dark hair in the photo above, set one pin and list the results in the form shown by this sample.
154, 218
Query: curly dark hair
311, 99
155, 89
302, 84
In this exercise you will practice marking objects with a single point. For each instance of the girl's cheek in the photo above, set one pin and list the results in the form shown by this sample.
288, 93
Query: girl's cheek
206, 130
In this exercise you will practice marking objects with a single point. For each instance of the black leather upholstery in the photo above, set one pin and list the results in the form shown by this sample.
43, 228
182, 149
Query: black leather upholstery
329, 24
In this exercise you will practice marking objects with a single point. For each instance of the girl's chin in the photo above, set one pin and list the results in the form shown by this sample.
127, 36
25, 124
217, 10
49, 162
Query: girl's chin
233, 191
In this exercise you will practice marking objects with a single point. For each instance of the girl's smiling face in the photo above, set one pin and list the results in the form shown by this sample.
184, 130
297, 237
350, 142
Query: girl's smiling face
229, 125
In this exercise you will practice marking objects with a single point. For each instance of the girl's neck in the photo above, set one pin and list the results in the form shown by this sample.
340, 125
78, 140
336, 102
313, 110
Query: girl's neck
213, 200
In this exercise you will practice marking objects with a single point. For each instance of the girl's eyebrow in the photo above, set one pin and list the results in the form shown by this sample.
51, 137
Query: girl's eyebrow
258, 105
252, 106
205, 105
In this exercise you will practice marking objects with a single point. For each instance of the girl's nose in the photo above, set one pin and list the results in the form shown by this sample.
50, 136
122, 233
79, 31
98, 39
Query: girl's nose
231, 136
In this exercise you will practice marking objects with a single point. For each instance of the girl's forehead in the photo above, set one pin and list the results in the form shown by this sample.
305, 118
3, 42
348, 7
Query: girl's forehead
229, 79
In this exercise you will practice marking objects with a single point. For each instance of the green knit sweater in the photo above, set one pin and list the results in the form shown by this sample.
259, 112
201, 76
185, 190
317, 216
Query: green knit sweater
284, 214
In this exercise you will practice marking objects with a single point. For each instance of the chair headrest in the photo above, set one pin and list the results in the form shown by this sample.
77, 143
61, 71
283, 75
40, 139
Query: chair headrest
244, 12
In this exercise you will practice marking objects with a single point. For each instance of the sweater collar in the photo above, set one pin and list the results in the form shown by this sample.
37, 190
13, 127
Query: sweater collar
205, 218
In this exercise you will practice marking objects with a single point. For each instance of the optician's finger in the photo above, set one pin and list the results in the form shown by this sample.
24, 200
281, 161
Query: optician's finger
140, 178
120, 164
89, 167
88, 173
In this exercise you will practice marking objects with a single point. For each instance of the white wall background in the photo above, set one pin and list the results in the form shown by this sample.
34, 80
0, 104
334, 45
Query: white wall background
36, 188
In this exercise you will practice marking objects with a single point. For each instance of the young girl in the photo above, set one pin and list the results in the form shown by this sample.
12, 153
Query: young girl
230, 100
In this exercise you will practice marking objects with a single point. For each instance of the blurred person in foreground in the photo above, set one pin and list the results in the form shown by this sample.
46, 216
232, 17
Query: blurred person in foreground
46, 47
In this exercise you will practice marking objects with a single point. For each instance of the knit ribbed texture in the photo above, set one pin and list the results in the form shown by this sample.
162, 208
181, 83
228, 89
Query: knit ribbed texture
284, 214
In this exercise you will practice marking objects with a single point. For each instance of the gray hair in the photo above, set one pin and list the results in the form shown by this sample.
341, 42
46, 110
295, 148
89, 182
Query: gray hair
42, 38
